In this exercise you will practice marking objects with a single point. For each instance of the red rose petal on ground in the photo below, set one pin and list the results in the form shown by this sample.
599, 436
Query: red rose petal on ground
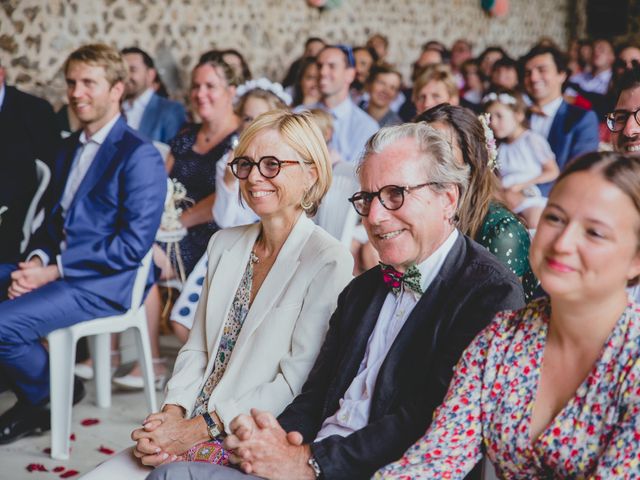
47, 451
58, 469
87, 422
69, 473
72, 437
36, 467
106, 450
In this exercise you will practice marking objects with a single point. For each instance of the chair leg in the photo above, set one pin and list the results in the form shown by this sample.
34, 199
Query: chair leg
146, 362
62, 356
101, 354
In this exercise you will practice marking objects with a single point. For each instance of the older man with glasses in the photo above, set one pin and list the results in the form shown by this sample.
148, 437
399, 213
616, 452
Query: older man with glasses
396, 334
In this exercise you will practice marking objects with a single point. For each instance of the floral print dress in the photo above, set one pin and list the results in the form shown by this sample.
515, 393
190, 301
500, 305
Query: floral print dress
489, 405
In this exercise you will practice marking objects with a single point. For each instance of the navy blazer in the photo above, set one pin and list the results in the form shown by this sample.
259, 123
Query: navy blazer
574, 131
162, 119
471, 287
113, 218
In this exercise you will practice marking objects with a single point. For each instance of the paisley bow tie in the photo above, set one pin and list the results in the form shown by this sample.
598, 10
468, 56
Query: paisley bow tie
394, 279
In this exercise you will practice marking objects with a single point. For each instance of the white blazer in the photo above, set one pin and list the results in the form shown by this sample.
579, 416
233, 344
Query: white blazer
284, 328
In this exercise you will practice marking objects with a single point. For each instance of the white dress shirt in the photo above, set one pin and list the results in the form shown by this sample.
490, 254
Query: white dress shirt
541, 124
355, 406
83, 159
134, 110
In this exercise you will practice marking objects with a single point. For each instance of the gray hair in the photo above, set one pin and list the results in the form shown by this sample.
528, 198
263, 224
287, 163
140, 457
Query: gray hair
433, 150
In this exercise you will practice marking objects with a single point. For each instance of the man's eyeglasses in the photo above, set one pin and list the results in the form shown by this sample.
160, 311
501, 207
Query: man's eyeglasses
268, 166
391, 197
617, 119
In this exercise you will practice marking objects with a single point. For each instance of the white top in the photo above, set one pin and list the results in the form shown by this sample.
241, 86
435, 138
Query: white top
522, 160
134, 110
355, 407
227, 209
541, 124
593, 83
82, 161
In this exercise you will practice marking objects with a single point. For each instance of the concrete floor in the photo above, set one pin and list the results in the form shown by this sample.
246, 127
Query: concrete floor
127, 411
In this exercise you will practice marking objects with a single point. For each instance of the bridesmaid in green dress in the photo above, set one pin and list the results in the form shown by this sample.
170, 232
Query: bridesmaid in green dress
482, 217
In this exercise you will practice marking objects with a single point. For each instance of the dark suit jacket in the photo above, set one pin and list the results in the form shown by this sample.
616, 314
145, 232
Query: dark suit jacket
27, 132
113, 217
470, 288
162, 119
574, 131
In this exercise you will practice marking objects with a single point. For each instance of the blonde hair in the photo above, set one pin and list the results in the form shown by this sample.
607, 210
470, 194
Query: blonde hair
300, 132
436, 73
324, 120
100, 55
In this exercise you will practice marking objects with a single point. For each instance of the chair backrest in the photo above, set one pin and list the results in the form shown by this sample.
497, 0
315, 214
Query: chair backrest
163, 148
43, 175
141, 280
335, 214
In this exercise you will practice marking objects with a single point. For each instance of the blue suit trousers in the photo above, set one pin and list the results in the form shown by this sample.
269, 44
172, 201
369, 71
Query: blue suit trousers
26, 320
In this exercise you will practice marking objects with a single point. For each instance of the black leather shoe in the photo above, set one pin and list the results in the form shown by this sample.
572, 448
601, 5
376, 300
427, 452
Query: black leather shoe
23, 419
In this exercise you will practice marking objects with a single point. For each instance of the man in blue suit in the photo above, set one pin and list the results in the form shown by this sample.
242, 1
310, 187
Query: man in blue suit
105, 203
157, 118
570, 130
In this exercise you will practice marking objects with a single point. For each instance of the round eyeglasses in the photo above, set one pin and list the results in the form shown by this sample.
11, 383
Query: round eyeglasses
617, 120
268, 166
391, 197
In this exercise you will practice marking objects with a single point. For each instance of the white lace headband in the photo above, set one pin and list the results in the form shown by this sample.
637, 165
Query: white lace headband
504, 98
490, 140
263, 84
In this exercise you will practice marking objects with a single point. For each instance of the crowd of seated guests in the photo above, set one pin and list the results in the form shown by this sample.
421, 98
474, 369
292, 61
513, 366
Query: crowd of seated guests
496, 259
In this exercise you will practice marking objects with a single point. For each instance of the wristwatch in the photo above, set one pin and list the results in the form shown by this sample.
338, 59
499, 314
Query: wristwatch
313, 463
212, 427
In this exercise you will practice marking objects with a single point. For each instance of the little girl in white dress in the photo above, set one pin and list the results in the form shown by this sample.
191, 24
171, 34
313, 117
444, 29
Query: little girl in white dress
525, 158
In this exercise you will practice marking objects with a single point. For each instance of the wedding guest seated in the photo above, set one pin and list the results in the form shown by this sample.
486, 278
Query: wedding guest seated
383, 86
147, 112
108, 189
365, 58
380, 44
396, 334
504, 74
305, 90
353, 127
481, 216
195, 152
434, 86
524, 157
551, 390
266, 301
312, 47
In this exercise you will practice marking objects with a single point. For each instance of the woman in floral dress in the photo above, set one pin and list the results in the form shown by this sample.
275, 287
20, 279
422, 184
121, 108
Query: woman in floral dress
553, 391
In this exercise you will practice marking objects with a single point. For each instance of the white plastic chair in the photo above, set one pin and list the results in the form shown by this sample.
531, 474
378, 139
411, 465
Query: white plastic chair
335, 214
62, 356
30, 224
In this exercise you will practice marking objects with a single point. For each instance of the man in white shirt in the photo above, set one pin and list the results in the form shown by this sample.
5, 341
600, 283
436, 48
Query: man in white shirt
352, 127
597, 79
107, 195
396, 334
157, 118
570, 130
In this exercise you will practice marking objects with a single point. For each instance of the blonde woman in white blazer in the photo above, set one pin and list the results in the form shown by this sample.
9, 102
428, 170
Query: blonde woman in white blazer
284, 170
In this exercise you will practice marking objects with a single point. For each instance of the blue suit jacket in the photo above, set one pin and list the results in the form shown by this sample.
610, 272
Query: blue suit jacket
162, 119
574, 131
113, 218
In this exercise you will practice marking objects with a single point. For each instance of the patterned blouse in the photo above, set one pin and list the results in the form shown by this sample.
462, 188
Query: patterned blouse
231, 330
490, 401
508, 239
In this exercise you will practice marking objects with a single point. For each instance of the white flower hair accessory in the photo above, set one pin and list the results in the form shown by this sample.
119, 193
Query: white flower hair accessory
263, 84
490, 140
504, 98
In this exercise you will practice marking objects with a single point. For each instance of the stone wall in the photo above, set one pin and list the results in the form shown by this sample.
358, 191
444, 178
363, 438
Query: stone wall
36, 35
